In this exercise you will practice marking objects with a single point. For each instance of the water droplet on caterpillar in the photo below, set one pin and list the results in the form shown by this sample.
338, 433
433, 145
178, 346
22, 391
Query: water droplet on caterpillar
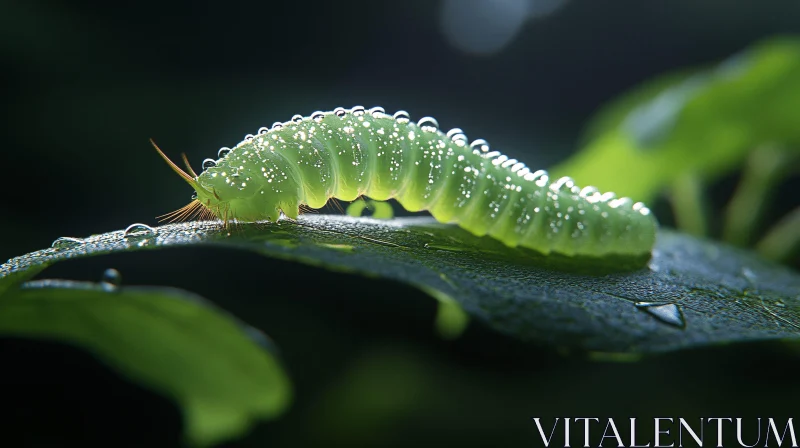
358, 111
668, 313
263, 130
588, 192
563, 182
277, 126
402, 116
223, 152
479, 145
297, 118
111, 280
428, 124
138, 230
457, 136
209, 163
377, 112
339, 112
318, 116
453, 132
66, 242
249, 137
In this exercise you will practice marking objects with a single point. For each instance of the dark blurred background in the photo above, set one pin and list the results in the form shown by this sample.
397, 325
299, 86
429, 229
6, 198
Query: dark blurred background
87, 83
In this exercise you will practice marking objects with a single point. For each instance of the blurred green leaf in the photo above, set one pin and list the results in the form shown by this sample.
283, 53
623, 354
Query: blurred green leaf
692, 292
166, 339
379, 209
701, 122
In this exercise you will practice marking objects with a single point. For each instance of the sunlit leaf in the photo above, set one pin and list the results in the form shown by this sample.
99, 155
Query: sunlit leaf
700, 122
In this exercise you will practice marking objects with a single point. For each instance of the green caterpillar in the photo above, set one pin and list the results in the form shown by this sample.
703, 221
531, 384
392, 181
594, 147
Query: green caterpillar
344, 154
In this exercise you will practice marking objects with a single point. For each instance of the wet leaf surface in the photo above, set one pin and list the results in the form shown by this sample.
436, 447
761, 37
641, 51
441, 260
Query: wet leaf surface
692, 292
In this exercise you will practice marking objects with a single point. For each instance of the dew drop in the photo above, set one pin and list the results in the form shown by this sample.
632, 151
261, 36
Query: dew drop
297, 118
377, 112
565, 181
608, 196
428, 122
263, 130
277, 126
66, 242
668, 313
358, 111
249, 137
453, 132
749, 275
401, 116
318, 116
588, 191
480, 144
111, 280
339, 112
209, 163
223, 152
138, 230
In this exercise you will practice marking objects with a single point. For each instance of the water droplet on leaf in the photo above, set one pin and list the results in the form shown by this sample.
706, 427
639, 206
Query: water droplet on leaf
138, 231
668, 313
66, 242
111, 280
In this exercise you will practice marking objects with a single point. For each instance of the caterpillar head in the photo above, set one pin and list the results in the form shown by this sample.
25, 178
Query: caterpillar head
226, 193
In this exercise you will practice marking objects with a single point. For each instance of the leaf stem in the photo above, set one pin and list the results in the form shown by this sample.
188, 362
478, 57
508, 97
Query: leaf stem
783, 239
689, 204
765, 168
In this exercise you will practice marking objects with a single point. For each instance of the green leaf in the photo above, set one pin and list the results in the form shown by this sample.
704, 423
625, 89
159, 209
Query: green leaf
698, 122
167, 339
693, 292
379, 209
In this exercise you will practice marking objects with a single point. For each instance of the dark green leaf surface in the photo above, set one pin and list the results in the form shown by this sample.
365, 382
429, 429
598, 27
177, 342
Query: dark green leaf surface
693, 292
166, 339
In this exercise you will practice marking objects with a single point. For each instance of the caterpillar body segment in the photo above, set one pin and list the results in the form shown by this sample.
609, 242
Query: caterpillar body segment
344, 154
